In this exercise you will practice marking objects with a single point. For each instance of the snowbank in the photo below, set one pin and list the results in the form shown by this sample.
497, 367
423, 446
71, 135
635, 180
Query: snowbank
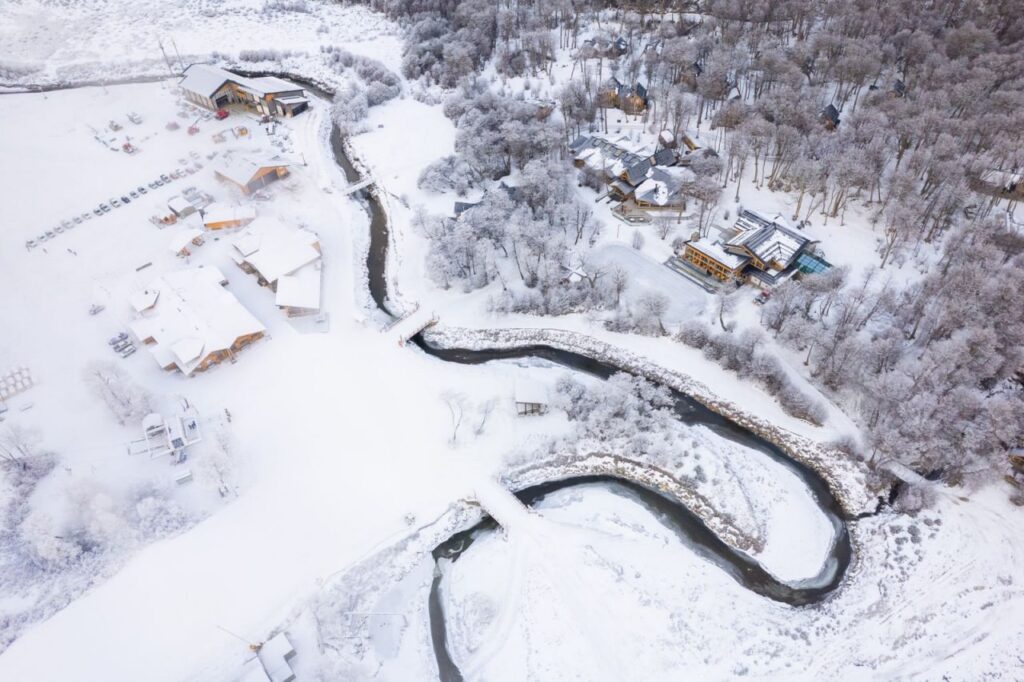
847, 478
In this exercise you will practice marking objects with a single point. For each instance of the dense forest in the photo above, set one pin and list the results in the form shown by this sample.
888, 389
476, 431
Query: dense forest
930, 99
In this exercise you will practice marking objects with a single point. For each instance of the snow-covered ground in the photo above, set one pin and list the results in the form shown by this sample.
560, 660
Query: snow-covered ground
313, 415
45, 42
342, 441
598, 589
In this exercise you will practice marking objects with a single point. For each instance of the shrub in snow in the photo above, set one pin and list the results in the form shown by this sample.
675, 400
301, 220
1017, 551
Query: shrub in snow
271, 6
47, 545
742, 354
350, 108
126, 400
156, 516
448, 174
638, 240
693, 334
263, 55
798, 404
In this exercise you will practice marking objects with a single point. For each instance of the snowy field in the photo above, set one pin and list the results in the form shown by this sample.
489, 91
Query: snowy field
45, 42
329, 444
311, 413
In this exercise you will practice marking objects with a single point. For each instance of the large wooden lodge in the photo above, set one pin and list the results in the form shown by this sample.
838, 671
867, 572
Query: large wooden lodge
758, 250
215, 88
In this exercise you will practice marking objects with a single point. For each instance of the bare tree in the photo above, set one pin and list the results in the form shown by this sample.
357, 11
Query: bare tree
456, 403
125, 399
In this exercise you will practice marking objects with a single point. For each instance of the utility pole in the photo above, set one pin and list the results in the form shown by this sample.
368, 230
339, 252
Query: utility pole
167, 60
181, 64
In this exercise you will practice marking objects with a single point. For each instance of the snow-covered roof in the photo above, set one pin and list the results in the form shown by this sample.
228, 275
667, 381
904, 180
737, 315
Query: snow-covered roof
217, 213
152, 422
615, 155
252, 671
531, 392
242, 170
300, 289
206, 80
769, 240
179, 204
193, 316
274, 249
714, 251
182, 239
143, 300
274, 655
663, 186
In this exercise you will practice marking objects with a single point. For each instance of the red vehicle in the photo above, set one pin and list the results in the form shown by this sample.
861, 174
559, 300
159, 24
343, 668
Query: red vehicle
221, 114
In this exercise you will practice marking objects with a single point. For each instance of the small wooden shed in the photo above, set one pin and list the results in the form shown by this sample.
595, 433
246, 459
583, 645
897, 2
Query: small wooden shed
531, 398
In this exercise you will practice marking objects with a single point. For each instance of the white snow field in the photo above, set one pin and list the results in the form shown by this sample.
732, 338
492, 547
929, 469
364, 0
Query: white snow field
327, 426
328, 444
594, 588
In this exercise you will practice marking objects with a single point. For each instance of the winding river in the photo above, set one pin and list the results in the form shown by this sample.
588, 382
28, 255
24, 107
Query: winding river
670, 511
691, 530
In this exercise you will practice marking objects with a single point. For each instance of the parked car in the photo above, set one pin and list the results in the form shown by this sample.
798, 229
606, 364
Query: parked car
117, 339
96, 309
98, 211
115, 203
153, 185
42, 238
165, 178
77, 220
142, 190
58, 229
127, 351
50, 234
30, 244
86, 216
221, 114
121, 345
65, 223
125, 200
133, 194
104, 208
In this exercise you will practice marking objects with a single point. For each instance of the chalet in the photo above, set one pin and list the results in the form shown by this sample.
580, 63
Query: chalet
183, 242
219, 217
215, 88
180, 206
190, 322
631, 99
664, 189
759, 250
711, 258
830, 117
1001, 183
272, 662
249, 175
284, 259
608, 48
771, 246
614, 164
463, 206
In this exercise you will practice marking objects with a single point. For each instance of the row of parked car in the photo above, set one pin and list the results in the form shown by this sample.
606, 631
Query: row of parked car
122, 345
113, 203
